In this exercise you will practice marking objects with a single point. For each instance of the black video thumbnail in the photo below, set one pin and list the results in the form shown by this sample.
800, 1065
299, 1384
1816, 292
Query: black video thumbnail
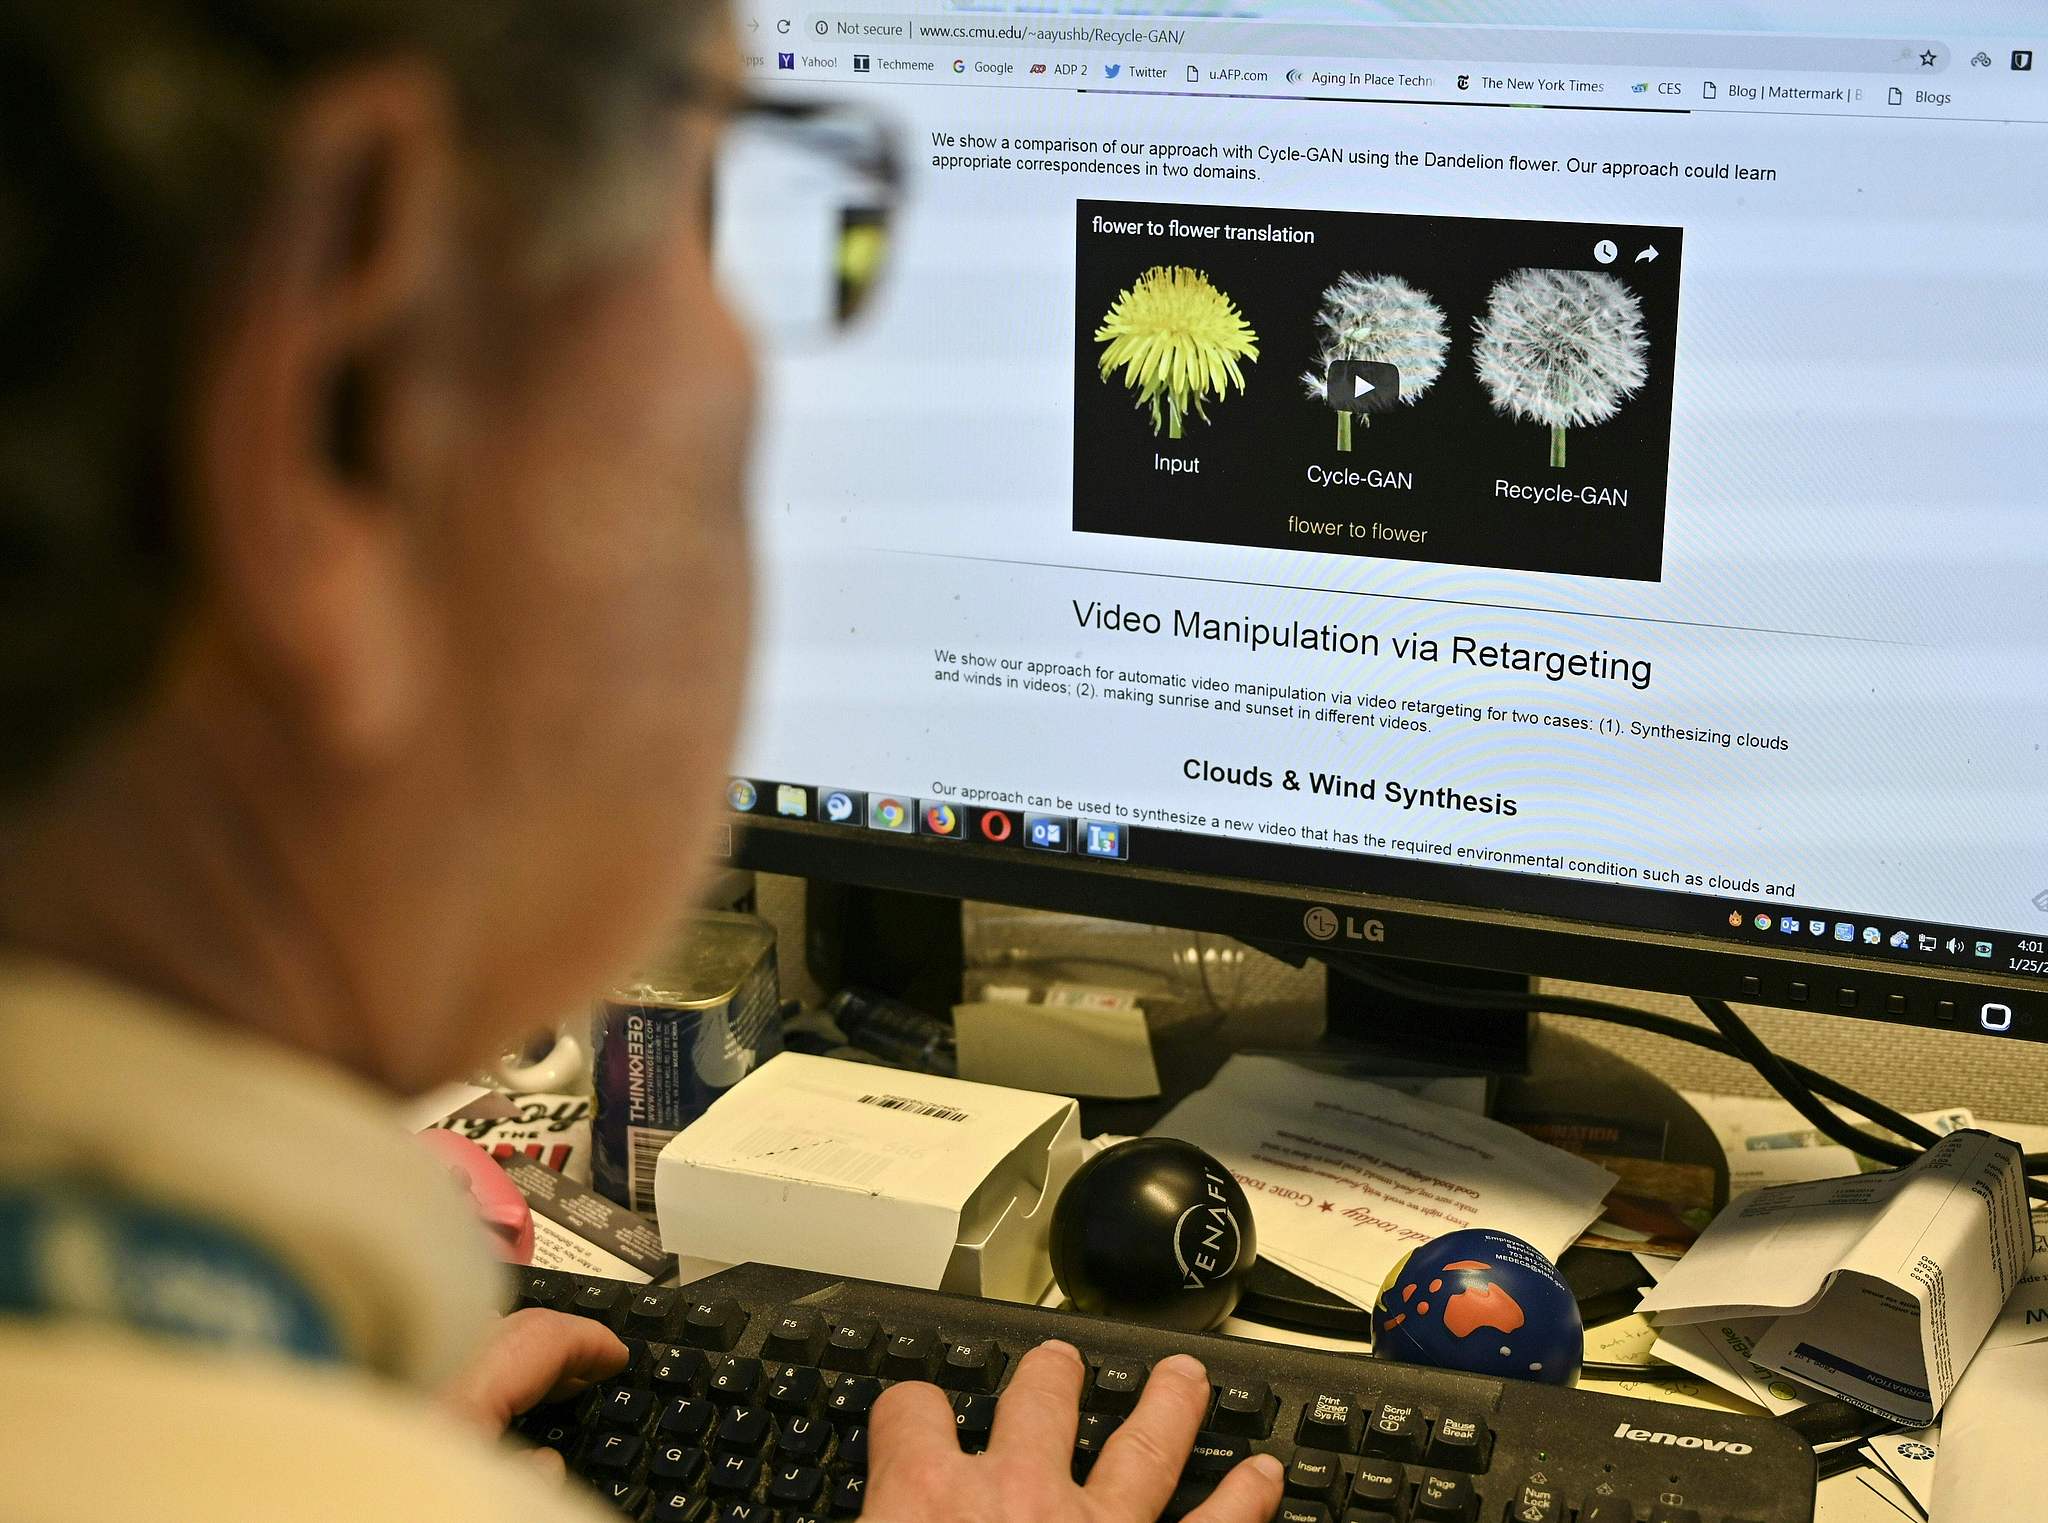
1472, 390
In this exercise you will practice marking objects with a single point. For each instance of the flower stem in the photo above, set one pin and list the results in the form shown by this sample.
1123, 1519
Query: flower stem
1344, 431
1557, 445
1172, 421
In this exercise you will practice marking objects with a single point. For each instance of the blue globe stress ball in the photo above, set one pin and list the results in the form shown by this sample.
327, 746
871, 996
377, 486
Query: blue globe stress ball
1481, 1301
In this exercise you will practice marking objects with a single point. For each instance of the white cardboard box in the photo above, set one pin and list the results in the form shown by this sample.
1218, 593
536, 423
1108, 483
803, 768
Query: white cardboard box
874, 1173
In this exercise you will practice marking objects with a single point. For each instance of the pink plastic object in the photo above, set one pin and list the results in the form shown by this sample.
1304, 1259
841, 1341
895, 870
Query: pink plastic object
498, 1203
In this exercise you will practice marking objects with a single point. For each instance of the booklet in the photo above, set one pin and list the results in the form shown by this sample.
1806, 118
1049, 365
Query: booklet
1878, 1288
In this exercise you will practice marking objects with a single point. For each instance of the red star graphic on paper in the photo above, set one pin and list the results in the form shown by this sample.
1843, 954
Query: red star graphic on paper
1328, 1207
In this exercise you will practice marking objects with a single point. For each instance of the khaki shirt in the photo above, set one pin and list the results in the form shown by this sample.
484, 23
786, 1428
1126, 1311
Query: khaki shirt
99, 1420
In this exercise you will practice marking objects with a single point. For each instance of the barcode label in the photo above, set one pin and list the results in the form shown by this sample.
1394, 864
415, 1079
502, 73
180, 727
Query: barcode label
643, 1147
915, 1107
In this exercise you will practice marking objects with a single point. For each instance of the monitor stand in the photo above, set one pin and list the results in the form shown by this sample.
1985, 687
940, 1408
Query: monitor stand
909, 945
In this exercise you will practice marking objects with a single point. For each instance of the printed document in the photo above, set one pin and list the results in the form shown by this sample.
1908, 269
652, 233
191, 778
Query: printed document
1346, 1177
1879, 1287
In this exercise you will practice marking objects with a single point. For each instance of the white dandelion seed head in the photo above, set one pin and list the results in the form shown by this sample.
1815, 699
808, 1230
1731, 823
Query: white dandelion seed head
1561, 347
1383, 319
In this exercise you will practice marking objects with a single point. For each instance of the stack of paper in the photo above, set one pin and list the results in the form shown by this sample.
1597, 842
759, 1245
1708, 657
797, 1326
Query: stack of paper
1878, 1288
1346, 1177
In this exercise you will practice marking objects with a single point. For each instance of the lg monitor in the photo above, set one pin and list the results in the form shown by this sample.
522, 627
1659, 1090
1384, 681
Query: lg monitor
1563, 498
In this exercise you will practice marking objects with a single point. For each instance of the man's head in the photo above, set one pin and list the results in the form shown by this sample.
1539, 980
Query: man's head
375, 585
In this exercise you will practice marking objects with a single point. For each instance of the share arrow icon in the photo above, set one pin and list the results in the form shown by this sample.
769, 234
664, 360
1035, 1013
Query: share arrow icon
1647, 254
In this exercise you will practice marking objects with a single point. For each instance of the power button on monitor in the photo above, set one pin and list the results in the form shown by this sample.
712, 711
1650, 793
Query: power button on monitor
1995, 1017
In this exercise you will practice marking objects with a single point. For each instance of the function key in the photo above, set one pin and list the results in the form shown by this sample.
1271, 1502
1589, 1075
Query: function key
541, 1287
1315, 1476
1115, 1389
1459, 1443
1441, 1497
852, 1345
1377, 1489
1244, 1409
676, 1371
972, 1364
598, 1299
648, 1312
795, 1337
794, 1392
974, 1416
1329, 1422
1397, 1432
735, 1379
910, 1354
714, 1325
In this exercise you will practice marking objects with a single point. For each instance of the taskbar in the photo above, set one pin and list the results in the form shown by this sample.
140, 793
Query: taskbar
1744, 915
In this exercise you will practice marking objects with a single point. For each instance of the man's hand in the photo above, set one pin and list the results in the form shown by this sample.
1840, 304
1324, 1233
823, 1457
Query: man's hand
918, 1474
533, 1356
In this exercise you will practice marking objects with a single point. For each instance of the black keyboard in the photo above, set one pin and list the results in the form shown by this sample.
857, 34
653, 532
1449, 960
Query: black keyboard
747, 1396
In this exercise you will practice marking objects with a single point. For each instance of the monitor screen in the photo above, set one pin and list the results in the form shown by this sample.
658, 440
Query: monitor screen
1557, 497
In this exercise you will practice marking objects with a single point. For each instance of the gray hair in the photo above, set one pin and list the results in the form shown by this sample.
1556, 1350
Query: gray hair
134, 140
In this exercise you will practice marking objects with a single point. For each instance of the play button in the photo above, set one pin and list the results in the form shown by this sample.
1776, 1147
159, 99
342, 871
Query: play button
1361, 385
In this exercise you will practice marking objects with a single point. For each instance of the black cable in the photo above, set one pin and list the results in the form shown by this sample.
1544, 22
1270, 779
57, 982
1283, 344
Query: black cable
1795, 1082
1751, 1049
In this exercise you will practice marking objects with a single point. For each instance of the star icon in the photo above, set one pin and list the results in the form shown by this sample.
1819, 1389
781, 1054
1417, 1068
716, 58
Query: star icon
1328, 1207
1927, 59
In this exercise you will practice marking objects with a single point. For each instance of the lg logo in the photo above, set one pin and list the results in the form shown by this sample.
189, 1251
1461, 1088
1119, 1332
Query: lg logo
1325, 924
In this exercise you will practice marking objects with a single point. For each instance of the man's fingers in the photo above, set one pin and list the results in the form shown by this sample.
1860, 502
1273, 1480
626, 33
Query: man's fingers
1040, 1412
1249, 1494
911, 1427
534, 1354
1142, 1461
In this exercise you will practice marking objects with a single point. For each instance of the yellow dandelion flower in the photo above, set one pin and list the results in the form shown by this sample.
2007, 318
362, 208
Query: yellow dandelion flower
1178, 341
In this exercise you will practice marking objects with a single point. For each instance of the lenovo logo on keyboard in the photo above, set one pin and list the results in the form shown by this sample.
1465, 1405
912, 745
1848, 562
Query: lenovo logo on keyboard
1680, 1440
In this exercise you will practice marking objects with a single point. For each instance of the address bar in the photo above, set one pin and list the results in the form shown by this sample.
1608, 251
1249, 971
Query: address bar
1436, 44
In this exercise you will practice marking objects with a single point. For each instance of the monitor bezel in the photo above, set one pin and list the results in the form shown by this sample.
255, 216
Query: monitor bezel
1401, 928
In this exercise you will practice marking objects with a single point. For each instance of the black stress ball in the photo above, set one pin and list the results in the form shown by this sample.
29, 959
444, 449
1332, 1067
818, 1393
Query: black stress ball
1153, 1230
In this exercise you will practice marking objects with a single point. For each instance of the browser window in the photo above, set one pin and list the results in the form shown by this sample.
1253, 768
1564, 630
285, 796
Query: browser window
1572, 468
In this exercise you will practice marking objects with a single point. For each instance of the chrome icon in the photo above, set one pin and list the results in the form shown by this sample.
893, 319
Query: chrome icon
886, 813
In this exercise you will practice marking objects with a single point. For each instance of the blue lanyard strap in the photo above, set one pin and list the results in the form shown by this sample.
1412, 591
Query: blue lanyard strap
71, 1250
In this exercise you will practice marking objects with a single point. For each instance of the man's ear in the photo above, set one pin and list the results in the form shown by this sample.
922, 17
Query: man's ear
307, 507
